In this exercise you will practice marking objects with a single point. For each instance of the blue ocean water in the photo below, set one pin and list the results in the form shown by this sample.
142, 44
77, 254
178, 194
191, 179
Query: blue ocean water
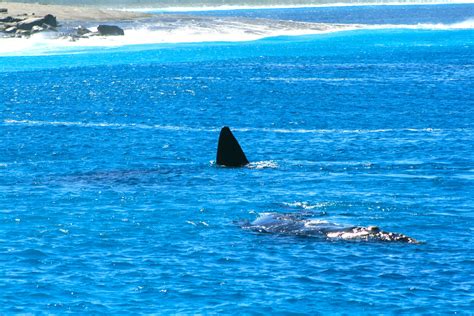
110, 201
364, 14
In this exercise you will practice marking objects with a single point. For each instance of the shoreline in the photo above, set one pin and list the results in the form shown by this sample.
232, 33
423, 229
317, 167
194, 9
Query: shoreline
33, 29
22, 20
75, 23
69, 13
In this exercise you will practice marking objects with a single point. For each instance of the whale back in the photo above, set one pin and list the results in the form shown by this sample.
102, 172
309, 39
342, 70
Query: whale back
303, 225
229, 152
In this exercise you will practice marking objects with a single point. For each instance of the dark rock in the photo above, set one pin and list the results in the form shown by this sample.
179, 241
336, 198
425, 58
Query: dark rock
9, 19
82, 31
50, 20
110, 30
29, 23
3, 10
7, 25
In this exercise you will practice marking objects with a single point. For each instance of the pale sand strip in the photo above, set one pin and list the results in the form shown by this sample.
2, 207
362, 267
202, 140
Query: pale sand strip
70, 13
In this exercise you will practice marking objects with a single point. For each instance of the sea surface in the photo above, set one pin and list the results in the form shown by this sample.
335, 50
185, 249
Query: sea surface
111, 202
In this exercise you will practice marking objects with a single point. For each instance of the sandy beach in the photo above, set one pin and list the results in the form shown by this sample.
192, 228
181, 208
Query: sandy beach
19, 21
70, 13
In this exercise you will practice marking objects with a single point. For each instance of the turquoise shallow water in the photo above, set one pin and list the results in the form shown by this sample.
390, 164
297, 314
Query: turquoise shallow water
110, 201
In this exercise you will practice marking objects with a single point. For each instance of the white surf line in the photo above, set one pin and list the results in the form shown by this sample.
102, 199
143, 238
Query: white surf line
215, 31
295, 6
216, 129
462, 25
211, 31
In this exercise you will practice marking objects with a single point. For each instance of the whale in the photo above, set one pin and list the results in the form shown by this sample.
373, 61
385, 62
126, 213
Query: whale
303, 225
229, 152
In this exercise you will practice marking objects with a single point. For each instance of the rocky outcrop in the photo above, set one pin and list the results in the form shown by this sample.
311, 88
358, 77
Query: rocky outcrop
10, 19
108, 30
29, 23
81, 31
24, 25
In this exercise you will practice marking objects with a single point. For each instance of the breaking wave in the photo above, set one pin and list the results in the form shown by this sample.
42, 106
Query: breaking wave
168, 31
464, 25
190, 29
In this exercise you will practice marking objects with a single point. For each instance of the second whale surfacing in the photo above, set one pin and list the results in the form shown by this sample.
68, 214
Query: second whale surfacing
305, 226
230, 154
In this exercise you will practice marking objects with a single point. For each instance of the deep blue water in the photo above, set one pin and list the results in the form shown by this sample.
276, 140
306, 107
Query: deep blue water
110, 202
376, 14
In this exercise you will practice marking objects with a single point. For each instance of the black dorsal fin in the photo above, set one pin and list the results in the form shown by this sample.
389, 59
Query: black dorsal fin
229, 152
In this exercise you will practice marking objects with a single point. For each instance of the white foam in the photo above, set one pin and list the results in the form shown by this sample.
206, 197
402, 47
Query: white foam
464, 25
266, 164
192, 30
306, 205
38, 44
